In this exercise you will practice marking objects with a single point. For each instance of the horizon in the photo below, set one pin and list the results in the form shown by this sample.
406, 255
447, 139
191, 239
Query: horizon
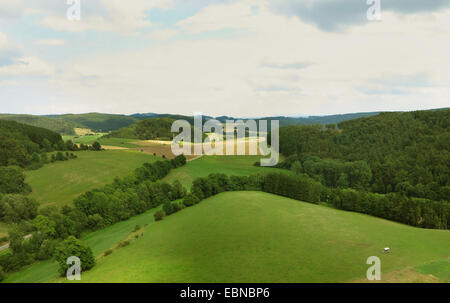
225, 115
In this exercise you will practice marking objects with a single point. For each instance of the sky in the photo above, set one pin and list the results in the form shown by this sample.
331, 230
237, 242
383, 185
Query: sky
245, 58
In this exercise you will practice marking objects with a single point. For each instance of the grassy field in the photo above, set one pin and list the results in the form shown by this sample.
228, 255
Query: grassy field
118, 142
60, 182
258, 237
230, 165
99, 241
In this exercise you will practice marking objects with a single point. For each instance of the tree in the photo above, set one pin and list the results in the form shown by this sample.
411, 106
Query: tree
16, 208
96, 146
297, 167
12, 180
159, 215
74, 247
45, 225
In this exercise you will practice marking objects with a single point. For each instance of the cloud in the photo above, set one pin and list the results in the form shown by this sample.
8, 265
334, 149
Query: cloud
27, 66
51, 42
272, 64
8, 52
297, 65
125, 17
330, 15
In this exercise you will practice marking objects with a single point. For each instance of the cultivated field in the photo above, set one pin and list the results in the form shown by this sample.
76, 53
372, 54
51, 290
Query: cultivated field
60, 182
258, 237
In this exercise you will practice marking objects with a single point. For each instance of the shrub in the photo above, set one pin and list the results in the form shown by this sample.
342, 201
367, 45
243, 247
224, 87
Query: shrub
190, 200
107, 252
159, 215
136, 228
124, 243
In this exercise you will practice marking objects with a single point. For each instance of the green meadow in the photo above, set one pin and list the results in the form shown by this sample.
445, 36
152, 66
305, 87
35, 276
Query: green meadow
118, 142
229, 165
258, 237
59, 183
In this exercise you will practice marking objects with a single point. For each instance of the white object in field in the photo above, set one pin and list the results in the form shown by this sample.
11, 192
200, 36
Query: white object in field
387, 249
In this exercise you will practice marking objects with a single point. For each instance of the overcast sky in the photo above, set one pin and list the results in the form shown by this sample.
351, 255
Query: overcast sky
237, 58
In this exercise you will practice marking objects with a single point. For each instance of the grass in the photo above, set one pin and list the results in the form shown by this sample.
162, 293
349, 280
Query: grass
60, 182
126, 143
99, 241
230, 165
258, 237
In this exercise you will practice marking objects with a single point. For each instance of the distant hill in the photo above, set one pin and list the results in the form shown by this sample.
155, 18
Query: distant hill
56, 125
149, 129
97, 122
19, 142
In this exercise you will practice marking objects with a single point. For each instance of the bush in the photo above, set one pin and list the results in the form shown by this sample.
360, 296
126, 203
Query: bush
136, 228
124, 243
107, 252
190, 200
74, 247
159, 215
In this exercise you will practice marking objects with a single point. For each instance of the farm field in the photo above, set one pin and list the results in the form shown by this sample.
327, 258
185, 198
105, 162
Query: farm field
229, 165
60, 182
99, 241
272, 239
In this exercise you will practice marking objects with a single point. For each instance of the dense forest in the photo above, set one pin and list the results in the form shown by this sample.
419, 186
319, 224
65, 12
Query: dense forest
56, 125
149, 129
408, 153
20, 144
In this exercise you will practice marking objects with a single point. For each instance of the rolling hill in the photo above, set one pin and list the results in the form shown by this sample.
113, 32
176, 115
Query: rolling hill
258, 237
56, 125
59, 183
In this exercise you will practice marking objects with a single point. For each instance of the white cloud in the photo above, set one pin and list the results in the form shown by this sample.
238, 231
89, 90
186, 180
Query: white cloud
27, 66
107, 15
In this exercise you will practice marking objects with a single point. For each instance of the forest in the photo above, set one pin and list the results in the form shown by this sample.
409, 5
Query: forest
407, 153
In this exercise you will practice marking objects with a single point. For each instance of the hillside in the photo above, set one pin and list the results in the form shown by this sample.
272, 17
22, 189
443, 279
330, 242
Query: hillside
59, 183
405, 152
148, 129
97, 122
269, 239
56, 125
18, 142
